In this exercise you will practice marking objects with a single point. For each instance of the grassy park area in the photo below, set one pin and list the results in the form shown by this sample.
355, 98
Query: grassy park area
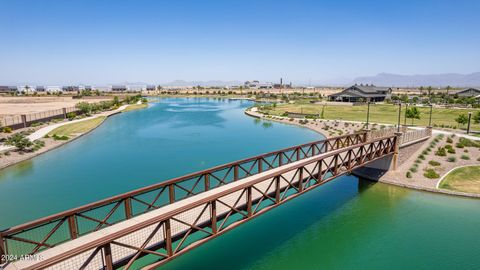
379, 113
464, 179
77, 128
135, 107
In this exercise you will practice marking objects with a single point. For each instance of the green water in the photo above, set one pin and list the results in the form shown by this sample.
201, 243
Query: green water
350, 224
346, 224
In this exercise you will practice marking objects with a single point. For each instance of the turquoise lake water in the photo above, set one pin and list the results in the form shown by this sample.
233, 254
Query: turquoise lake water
345, 224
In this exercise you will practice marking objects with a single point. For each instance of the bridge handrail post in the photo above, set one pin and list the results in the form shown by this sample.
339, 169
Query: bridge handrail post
171, 193
429, 131
3, 249
249, 201
213, 217
108, 256
367, 135
168, 238
277, 189
72, 226
235, 172
128, 207
207, 181
300, 179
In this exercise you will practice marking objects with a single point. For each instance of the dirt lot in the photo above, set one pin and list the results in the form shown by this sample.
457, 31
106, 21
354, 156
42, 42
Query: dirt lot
26, 105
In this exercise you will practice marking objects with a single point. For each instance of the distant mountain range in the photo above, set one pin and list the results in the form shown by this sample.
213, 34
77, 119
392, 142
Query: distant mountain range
436, 80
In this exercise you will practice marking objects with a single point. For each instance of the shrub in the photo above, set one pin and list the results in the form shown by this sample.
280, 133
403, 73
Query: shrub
7, 129
409, 174
478, 159
441, 152
413, 169
451, 151
431, 174
465, 151
60, 138
425, 152
452, 159
465, 157
71, 115
449, 140
418, 161
20, 141
459, 145
468, 143
84, 107
434, 163
422, 157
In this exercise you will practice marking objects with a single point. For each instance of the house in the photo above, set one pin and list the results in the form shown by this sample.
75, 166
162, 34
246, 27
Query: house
469, 92
151, 88
26, 89
136, 88
119, 88
362, 93
53, 89
8, 89
101, 88
70, 88
40, 88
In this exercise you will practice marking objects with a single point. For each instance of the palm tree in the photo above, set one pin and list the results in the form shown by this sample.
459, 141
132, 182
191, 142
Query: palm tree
421, 90
429, 90
448, 90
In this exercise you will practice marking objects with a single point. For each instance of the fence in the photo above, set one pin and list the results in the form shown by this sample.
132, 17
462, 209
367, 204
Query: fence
26, 120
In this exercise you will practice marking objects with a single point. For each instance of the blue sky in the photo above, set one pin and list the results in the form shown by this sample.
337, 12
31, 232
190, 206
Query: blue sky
102, 42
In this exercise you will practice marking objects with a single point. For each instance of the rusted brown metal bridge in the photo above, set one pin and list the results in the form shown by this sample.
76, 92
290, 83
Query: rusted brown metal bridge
147, 227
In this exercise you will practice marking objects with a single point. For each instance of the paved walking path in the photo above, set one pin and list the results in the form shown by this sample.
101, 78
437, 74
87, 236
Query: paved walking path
45, 130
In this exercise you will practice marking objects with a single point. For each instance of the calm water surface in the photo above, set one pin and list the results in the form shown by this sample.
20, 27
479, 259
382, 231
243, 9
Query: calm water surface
130, 150
346, 224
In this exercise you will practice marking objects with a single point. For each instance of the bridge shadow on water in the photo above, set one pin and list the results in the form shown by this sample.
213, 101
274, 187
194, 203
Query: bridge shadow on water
245, 246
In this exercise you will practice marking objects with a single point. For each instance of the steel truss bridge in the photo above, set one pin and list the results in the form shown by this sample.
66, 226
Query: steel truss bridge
146, 228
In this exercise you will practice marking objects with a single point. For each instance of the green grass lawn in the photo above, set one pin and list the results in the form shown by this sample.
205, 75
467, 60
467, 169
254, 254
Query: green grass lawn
465, 179
380, 113
135, 107
79, 127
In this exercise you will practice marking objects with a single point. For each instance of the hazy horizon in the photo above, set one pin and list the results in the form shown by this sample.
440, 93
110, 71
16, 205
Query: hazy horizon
56, 42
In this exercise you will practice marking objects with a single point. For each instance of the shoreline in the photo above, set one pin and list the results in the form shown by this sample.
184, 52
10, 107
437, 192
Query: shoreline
384, 178
56, 144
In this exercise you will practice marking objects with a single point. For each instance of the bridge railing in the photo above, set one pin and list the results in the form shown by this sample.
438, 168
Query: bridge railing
414, 135
50, 231
162, 237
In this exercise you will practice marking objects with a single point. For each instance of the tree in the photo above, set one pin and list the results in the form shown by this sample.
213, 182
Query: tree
18, 140
84, 107
462, 119
421, 90
429, 91
476, 118
412, 113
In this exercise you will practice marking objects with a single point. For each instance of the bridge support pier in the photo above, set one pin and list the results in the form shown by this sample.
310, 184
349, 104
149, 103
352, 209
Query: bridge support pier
395, 159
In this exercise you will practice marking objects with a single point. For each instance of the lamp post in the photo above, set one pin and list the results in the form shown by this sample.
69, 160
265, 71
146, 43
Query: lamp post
399, 112
405, 119
368, 112
430, 120
469, 118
